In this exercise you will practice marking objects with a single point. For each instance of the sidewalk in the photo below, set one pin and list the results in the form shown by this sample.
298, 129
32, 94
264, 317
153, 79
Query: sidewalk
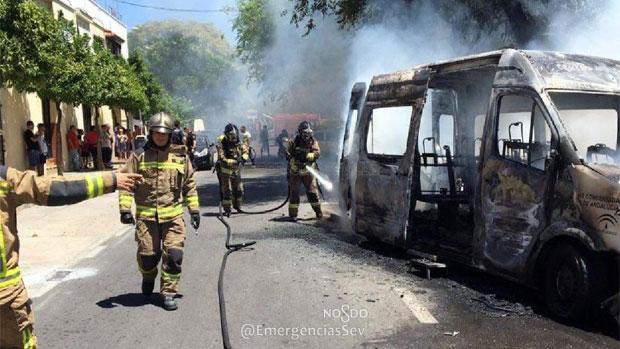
54, 238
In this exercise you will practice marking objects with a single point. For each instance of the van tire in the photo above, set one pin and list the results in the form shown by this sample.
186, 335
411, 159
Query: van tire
571, 282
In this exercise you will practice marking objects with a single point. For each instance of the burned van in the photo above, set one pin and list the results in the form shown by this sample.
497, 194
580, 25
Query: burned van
506, 161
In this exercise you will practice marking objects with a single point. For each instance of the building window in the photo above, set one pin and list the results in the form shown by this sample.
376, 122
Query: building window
114, 47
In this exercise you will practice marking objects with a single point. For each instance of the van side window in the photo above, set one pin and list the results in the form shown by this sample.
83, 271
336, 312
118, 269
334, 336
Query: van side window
388, 131
523, 135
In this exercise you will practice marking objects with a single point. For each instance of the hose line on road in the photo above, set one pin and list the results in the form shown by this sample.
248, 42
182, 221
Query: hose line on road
270, 210
220, 283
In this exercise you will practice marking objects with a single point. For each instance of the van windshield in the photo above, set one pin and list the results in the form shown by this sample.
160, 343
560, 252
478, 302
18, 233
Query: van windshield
591, 121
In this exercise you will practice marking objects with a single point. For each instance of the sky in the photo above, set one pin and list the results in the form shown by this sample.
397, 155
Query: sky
133, 16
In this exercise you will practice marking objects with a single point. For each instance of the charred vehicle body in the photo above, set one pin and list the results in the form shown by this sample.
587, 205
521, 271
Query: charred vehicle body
507, 161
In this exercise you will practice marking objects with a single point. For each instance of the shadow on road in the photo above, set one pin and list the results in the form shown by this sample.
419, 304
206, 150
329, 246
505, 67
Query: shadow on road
131, 300
257, 190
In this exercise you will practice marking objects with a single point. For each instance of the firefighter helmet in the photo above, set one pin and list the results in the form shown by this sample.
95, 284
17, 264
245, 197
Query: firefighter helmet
305, 131
161, 123
232, 133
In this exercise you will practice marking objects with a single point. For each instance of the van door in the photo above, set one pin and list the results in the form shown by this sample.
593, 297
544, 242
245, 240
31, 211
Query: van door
347, 163
388, 134
516, 179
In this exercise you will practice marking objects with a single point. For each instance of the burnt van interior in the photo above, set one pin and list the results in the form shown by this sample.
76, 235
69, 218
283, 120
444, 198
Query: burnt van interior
447, 155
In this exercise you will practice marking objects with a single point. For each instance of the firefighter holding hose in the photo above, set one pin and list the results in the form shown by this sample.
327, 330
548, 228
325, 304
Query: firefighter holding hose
231, 152
160, 229
303, 152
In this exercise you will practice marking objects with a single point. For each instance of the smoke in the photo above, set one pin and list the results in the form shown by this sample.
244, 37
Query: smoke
314, 73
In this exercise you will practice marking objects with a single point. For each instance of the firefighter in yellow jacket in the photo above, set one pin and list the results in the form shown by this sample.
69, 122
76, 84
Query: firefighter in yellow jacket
160, 229
231, 151
303, 151
18, 188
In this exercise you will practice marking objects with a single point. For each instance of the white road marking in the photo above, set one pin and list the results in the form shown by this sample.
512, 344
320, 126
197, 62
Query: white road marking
418, 310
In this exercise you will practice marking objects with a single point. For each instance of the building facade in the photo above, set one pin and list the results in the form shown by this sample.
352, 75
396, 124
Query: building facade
17, 108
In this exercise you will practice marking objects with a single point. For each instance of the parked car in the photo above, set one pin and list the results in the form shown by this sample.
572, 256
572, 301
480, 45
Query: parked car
506, 161
204, 156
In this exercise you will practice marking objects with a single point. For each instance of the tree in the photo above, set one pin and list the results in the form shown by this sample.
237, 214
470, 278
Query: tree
254, 26
520, 21
41, 58
192, 61
155, 93
101, 84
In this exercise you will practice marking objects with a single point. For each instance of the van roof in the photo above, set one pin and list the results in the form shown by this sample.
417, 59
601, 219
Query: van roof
541, 69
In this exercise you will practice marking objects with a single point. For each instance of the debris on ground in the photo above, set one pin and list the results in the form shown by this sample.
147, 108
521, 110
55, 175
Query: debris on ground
452, 334
501, 308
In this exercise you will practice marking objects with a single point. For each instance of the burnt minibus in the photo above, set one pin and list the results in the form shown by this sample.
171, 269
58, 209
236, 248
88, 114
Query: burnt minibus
506, 161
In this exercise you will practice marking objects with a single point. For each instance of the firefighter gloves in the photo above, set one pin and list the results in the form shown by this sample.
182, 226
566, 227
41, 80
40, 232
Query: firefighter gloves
310, 157
127, 218
196, 220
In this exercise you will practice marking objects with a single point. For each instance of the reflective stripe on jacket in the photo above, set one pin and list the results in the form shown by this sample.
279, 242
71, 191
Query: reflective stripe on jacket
226, 151
168, 184
18, 188
298, 145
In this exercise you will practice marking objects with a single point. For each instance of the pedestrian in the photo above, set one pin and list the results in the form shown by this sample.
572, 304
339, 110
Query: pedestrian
116, 132
122, 144
303, 152
19, 188
73, 144
264, 141
230, 152
32, 146
191, 144
282, 142
178, 137
84, 153
43, 149
130, 140
246, 136
92, 138
106, 145
160, 229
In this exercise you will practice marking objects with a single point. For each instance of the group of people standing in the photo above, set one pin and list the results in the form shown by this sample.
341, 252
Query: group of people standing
82, 147
37, 148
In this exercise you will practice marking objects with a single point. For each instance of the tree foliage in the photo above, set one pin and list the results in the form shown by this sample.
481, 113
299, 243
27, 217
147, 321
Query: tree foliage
520, 21
191, 60
47, 56
254, 26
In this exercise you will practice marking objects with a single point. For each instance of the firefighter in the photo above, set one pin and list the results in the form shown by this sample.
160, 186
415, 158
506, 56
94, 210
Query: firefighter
231, 151
160, 228
18, 188
303, 151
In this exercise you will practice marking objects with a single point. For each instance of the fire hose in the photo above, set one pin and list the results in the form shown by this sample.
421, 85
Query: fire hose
220, 283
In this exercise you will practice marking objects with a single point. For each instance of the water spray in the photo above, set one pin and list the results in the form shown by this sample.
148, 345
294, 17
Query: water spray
324, 182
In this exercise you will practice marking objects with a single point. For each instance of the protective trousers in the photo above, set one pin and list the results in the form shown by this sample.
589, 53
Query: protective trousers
16, 322
312, 192
231, 187
161, 240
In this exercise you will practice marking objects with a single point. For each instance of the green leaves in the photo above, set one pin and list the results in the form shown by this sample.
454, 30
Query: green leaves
193, 63
46, 55
254, 27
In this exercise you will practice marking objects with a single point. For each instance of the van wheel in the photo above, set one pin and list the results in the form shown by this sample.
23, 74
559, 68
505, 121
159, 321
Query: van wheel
570, 282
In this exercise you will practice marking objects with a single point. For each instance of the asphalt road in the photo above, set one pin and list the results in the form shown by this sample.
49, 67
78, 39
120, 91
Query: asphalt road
303, 285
